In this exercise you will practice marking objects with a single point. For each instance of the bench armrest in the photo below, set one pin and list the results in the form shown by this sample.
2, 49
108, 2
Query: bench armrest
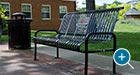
99, 33
43, 31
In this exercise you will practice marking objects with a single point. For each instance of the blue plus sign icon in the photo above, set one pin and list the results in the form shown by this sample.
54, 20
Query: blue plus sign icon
122, 57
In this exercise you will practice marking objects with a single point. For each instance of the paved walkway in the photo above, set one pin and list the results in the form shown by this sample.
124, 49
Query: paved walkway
20, 62
98, 61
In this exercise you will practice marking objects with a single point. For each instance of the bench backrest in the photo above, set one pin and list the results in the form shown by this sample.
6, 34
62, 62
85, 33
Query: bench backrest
78, 24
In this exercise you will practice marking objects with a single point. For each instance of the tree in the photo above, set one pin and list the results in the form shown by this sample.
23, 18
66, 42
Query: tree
3, 18
116, 2
138, 6
122, 12
119, 4
2, 11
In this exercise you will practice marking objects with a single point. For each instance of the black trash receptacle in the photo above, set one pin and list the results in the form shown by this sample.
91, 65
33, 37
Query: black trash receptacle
19, 32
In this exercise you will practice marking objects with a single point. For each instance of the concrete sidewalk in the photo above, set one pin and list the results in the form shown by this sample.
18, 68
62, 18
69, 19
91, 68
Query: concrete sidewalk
98, 61
20, 62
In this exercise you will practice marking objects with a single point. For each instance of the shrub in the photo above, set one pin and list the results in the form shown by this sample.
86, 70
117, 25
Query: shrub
4, 18
130, 21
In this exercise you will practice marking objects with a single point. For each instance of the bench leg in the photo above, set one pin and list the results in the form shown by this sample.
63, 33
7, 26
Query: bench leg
114, 48
57, 52
86, 57
86, 64
114, 67
35, 52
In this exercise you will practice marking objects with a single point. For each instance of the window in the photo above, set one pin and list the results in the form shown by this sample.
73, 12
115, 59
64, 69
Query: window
62, 11
6, 6
27, 9
46, 12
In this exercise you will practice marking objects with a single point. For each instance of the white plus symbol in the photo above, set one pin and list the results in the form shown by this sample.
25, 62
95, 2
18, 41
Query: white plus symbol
121, 57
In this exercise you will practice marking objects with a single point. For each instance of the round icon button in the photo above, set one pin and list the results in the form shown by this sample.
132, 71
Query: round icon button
122, 57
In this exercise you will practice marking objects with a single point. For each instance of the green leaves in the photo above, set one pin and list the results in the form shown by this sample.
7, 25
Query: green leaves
138, 6
4, 18
2, 11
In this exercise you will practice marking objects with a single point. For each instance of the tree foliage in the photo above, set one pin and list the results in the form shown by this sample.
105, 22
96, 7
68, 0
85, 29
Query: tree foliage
2, 13
121, 12
138, 6
116, 4
3, 17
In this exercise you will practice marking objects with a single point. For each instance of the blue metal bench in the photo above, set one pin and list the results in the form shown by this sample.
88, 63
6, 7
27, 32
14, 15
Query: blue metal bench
78, 28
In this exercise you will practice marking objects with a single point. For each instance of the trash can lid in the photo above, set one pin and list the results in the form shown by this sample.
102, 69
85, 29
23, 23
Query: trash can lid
18, 14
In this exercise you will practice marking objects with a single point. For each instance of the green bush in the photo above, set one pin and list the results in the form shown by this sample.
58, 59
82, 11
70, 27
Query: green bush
130, 21
4, 18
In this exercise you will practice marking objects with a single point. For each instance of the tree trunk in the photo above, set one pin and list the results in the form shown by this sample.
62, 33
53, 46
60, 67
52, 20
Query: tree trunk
90, 4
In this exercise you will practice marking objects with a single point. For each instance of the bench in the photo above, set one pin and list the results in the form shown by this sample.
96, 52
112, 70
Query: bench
78, 28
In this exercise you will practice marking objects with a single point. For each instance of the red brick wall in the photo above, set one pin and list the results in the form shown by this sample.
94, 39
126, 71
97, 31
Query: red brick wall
37, 22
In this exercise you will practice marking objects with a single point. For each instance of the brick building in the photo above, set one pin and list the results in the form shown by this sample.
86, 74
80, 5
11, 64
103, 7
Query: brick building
45, 14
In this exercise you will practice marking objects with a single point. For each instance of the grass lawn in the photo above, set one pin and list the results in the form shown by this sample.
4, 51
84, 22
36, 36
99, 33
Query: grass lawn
128, 36
4, 38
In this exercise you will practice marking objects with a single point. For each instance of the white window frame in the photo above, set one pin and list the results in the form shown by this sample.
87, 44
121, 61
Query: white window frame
62, 12
46, 11
6, 9
27, 11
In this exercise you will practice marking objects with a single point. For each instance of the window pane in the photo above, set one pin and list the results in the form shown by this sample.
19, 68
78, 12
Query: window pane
45, 15
27, 10
63, 11
28, 14
62, 14
23, 8
6, 13
45, 11
6, 6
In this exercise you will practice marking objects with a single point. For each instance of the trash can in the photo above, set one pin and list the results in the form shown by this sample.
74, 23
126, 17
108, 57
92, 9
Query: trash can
1, 26
19, 32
